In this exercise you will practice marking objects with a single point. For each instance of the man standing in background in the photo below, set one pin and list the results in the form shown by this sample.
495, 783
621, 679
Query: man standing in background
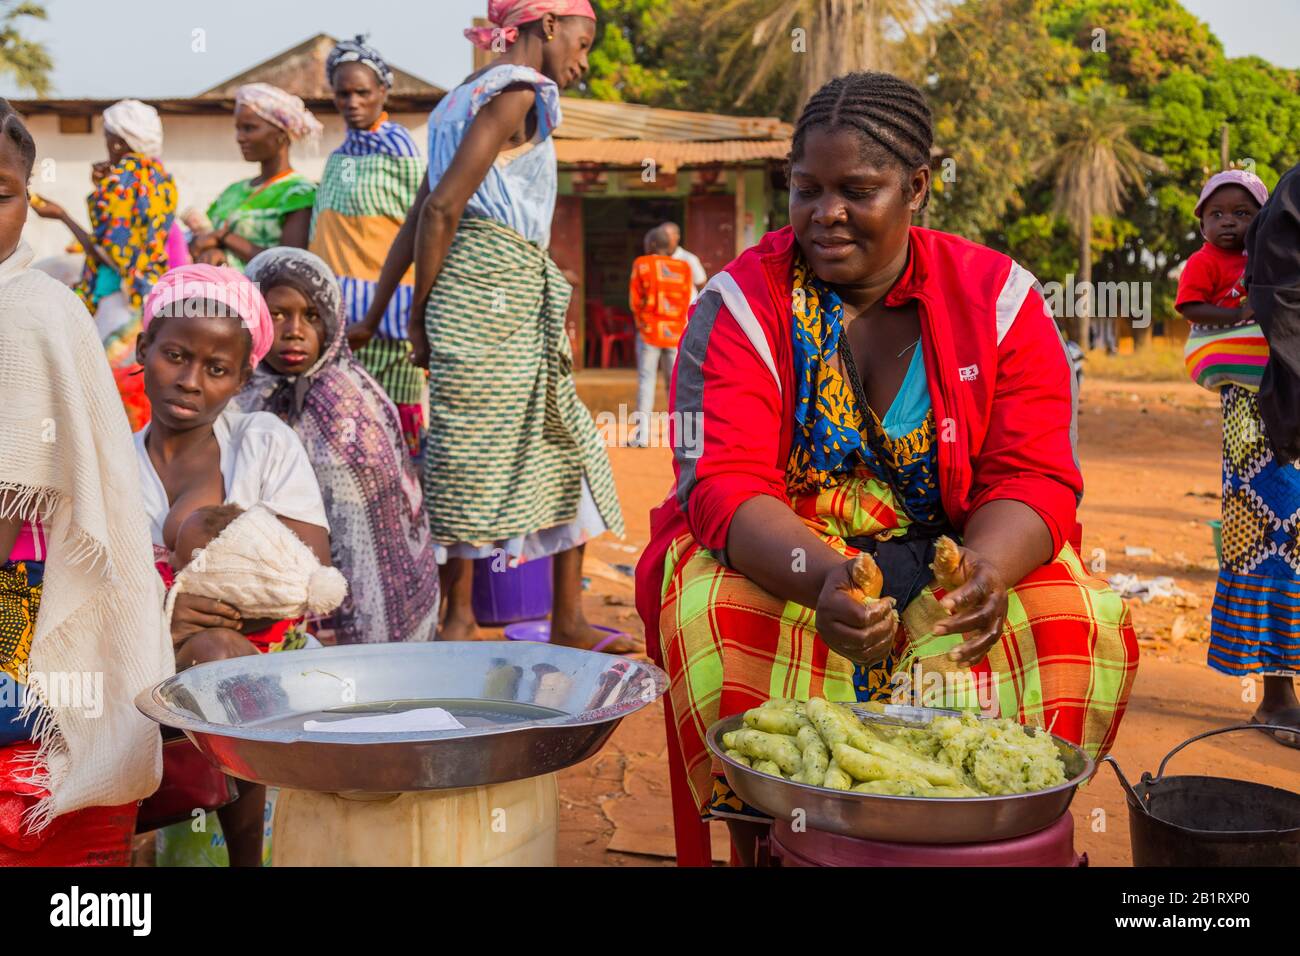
660, 295
698, 276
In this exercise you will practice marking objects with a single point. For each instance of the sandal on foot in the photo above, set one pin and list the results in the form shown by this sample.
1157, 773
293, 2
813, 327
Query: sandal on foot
1287, 738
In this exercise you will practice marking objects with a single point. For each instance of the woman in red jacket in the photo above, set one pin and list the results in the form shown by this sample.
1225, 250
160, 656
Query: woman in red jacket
856, 383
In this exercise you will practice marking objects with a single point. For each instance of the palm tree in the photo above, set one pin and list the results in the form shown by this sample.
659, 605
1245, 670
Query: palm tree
1095, 166
839, 36
27, 61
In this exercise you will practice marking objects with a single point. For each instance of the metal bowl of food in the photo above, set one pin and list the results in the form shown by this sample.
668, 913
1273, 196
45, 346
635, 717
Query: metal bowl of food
903, 819
527, 710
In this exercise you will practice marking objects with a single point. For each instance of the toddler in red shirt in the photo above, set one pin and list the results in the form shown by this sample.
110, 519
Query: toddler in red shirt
1223, 347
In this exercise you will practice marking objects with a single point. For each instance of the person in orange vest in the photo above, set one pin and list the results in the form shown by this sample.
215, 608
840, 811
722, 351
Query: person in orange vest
660, 296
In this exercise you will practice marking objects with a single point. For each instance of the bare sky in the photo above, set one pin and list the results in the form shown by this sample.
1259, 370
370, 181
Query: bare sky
145, 48
114, 48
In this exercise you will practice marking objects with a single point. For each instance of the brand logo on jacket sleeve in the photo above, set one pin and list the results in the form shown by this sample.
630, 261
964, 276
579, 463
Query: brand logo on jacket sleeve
968, 373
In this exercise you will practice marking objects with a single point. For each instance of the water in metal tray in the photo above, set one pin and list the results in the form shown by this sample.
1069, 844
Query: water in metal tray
473, 713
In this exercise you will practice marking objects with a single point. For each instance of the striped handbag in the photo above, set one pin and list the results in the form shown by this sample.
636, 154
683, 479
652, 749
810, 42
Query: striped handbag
1236, 355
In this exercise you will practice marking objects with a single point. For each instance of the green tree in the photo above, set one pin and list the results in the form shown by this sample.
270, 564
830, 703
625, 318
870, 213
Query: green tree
27, 61
658, 53
993, 76
1258, 104
629, 61
1133, 43
814, 40
1094, 167
1167, 60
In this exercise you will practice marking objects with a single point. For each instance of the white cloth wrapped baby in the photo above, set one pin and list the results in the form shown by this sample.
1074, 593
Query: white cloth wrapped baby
251, 560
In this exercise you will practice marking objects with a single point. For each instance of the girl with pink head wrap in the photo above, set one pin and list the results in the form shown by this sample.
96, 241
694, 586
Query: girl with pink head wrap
181, 290
205, 329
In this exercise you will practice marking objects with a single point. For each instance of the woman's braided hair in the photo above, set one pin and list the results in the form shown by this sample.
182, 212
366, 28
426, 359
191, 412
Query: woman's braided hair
889, 112
13, 129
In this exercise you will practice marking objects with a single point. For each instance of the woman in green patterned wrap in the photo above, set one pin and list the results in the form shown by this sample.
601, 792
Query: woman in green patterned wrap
514, 467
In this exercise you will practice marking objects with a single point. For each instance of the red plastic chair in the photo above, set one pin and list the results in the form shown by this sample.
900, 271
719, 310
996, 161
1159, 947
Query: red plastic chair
591, 342
621, 329
614, 335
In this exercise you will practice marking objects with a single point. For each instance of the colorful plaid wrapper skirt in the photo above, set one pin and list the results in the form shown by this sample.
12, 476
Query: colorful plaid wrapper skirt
1066, 659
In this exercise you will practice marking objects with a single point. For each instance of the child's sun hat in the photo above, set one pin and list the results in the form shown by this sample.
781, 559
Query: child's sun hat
1232, 177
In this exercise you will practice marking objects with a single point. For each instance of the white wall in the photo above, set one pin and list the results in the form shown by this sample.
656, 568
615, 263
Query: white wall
199, 152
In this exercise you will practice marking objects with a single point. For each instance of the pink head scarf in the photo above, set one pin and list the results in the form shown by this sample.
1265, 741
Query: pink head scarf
216, 284
279, 108
508, 15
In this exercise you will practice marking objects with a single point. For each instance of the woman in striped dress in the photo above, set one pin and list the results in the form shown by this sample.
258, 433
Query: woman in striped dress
515, 469
369, 183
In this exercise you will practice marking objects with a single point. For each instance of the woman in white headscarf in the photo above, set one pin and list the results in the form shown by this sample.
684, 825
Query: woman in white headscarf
132, 211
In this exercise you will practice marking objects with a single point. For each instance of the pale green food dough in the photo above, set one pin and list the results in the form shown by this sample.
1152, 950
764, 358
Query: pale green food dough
952, 757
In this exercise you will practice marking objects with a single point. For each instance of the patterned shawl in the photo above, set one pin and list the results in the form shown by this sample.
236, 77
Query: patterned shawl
827, 421
379, 535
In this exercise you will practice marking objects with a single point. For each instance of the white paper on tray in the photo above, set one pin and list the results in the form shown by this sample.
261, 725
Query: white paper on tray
402, 722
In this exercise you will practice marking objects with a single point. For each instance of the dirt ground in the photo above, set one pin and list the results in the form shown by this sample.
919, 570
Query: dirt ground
1150, 455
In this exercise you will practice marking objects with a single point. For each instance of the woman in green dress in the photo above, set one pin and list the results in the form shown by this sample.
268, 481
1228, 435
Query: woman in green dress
274, 207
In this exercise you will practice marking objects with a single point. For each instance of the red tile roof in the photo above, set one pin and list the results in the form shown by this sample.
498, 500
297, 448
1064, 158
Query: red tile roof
667, 156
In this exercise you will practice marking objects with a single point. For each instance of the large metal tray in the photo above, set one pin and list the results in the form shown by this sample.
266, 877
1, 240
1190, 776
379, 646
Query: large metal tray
903, 819
224, 708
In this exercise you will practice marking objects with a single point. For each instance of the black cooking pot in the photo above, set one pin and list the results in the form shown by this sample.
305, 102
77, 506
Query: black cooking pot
1211, 821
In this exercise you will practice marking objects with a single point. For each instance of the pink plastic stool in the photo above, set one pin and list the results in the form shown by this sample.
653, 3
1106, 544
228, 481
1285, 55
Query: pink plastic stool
1052, 846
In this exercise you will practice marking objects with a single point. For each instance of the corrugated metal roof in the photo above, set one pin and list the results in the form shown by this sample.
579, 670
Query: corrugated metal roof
668, 156
596, 119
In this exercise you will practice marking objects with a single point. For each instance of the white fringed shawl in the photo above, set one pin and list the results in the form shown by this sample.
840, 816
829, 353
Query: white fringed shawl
67, 458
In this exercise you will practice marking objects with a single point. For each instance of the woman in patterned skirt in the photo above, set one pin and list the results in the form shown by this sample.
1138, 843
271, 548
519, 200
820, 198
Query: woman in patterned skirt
515, 469
1255, 622
132, 214
866, 385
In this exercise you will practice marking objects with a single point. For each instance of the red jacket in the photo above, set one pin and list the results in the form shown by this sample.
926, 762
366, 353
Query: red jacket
1000, 384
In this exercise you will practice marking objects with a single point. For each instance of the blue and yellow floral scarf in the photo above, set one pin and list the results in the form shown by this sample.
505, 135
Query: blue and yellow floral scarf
827, 420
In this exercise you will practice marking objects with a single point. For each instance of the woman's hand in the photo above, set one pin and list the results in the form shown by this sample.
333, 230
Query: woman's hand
212, 257
978, 608
203, 241
193, 613
418, 337
49, 210
864, 633
359, 336
99, 171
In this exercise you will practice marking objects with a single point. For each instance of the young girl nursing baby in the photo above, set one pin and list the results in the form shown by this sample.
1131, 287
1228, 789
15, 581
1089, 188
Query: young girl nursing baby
217, 483
252, 560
